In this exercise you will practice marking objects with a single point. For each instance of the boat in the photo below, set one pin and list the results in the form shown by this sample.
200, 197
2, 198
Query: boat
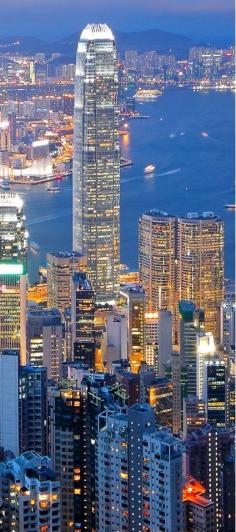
53, 189
204, 134
230, 206
172, 135
149, 169
4, 184
34, 247
147, 94
125, 162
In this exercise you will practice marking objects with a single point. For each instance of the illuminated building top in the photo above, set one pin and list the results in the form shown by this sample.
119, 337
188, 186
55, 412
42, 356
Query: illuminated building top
94, 32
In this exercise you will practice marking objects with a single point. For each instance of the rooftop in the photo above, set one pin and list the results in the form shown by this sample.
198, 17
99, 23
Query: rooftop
94, 32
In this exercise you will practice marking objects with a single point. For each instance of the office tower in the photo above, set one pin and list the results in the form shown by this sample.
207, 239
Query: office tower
191, 324
177, 374
33, 410
229, 493
13, 249
96, 169
129, 382
227, 325
205, 353
136, 326
159, 395
73, 432
132, 59
66, 452
151, 339
9, 414
31, 494
201, 264
164, 340
217, 394
207, 448
199, 512
114, 342
45, 343
157, 253
82, 320
130, 454
60, 268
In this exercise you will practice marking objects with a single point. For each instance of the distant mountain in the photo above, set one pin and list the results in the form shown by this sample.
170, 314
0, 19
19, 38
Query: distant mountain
153, 39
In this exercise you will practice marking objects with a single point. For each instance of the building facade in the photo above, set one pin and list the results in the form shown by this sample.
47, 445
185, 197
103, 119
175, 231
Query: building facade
96, 169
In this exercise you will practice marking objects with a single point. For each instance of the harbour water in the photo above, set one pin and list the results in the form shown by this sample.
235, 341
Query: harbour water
193, 173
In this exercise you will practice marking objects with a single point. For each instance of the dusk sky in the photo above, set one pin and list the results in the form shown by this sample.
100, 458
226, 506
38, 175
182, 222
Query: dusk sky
55, 18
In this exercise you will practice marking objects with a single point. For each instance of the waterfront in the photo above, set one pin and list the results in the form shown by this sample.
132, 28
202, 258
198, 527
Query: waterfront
193, 173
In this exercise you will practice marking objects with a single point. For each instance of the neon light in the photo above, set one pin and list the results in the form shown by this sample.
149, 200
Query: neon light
11, 269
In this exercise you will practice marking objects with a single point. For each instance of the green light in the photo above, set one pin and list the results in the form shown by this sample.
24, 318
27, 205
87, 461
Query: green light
11, 269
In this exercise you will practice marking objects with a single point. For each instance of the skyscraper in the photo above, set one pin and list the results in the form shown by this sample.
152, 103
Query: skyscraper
13, 249
96, 170
82, 320
201, 264
191, 324
60, 268
157, 243
136, 326
33, 410
9, 399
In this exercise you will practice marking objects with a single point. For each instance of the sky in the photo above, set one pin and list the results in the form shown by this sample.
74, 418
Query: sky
52, 19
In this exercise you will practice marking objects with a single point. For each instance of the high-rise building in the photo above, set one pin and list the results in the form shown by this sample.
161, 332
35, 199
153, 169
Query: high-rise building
207, 448
201, 264
199, 512
191, 325
217, 394
227, 325
33, 410
45, 340
30, 494
157, 253
9, 401
96, 169
159, 395
60, 268
13, 278
229, 494
82, 320
205, 353
136, 326
114, 343
134, 462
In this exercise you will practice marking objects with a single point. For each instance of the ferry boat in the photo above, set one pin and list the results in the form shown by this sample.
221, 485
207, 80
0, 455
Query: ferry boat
204, 134
149, 169
147, 94
230, 206
34, 247
172, 135
53, 189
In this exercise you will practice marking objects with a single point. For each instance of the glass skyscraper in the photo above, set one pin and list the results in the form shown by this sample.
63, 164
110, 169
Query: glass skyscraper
13, 274
96, 169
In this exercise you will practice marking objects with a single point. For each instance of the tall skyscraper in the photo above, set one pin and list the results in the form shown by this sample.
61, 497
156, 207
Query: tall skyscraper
60, 268
201, 264
217, 394
157, 252
13, 278
96, 169
33, 410
136, 326
191, 324
139, 473
9, 401
82, 320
